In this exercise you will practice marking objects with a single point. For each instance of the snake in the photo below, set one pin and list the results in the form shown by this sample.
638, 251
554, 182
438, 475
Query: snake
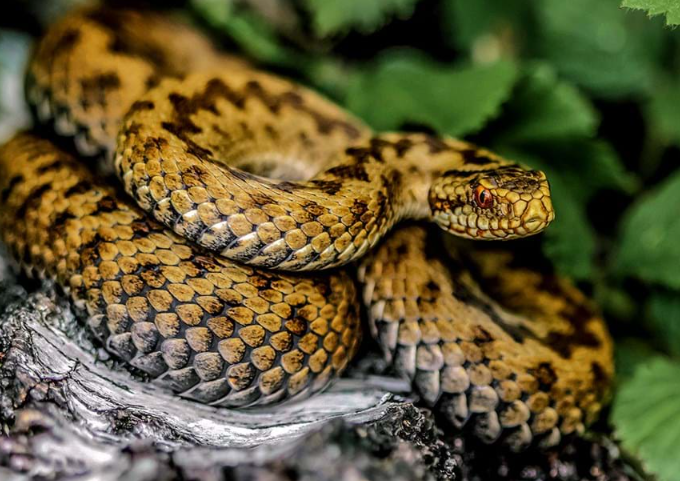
215, 263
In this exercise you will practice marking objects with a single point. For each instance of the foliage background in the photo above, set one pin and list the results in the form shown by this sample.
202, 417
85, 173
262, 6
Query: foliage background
587, 91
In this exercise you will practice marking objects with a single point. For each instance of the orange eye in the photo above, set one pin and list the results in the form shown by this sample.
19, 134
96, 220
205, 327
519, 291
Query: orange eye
483, 197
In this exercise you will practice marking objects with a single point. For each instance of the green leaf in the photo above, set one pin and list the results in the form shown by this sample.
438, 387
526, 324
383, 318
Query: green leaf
336, 16
615, 301
586, 166
406, 87
543, 108
570, 240
629, 354
669, 8
646, 415
649, 248
217, 12
663, 113
467, 22
663, 315
250, 32
599, 46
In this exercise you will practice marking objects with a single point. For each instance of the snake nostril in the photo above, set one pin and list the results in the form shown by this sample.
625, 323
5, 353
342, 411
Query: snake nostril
532, 221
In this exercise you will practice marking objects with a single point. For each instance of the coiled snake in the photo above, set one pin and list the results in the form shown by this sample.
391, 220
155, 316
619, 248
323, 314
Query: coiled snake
244, 172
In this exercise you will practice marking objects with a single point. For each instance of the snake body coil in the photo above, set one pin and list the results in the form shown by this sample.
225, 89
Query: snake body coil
267, 173
214, 331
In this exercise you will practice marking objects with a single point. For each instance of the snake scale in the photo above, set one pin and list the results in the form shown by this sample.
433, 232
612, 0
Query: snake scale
232, 177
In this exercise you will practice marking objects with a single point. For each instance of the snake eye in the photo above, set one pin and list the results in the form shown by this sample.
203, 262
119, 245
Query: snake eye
483, 197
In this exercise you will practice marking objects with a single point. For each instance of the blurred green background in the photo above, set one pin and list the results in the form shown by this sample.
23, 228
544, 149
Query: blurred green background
588, 91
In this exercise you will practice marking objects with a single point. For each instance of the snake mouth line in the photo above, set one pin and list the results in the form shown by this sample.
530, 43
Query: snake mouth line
502, 230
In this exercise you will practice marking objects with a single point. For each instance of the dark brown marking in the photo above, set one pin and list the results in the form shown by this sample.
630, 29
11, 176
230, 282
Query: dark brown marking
314, 208
475, 157
351, 171
54, 165
391, 182
600, 378
329, 187
185, 106
431, 285
436, 144
375, 150
32, 200
579, 317
217, 129
96, 88
402, 146
116, 22
261, 199
107, 204
120, 44
67, 40
361, 155
61, 219
64, 45
482, 336
546, 376
271, 132
134, 128
141, 105
243, 175
78, 188
205, 264
152, 80
182, 126
286, 186
471, 173
359, 207
577, 313
88, 255
158, 143
377, 146
518, 333
304, 138
402, 250
141, 227
258, 281
180, 131
13, 182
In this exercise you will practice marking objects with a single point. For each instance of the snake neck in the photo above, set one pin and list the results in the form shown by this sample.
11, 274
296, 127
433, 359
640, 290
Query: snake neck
396, 170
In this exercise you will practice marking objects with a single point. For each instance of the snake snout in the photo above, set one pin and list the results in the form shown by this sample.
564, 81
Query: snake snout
538, 214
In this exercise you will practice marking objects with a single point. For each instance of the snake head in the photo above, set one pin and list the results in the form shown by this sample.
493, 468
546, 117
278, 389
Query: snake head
502, 203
